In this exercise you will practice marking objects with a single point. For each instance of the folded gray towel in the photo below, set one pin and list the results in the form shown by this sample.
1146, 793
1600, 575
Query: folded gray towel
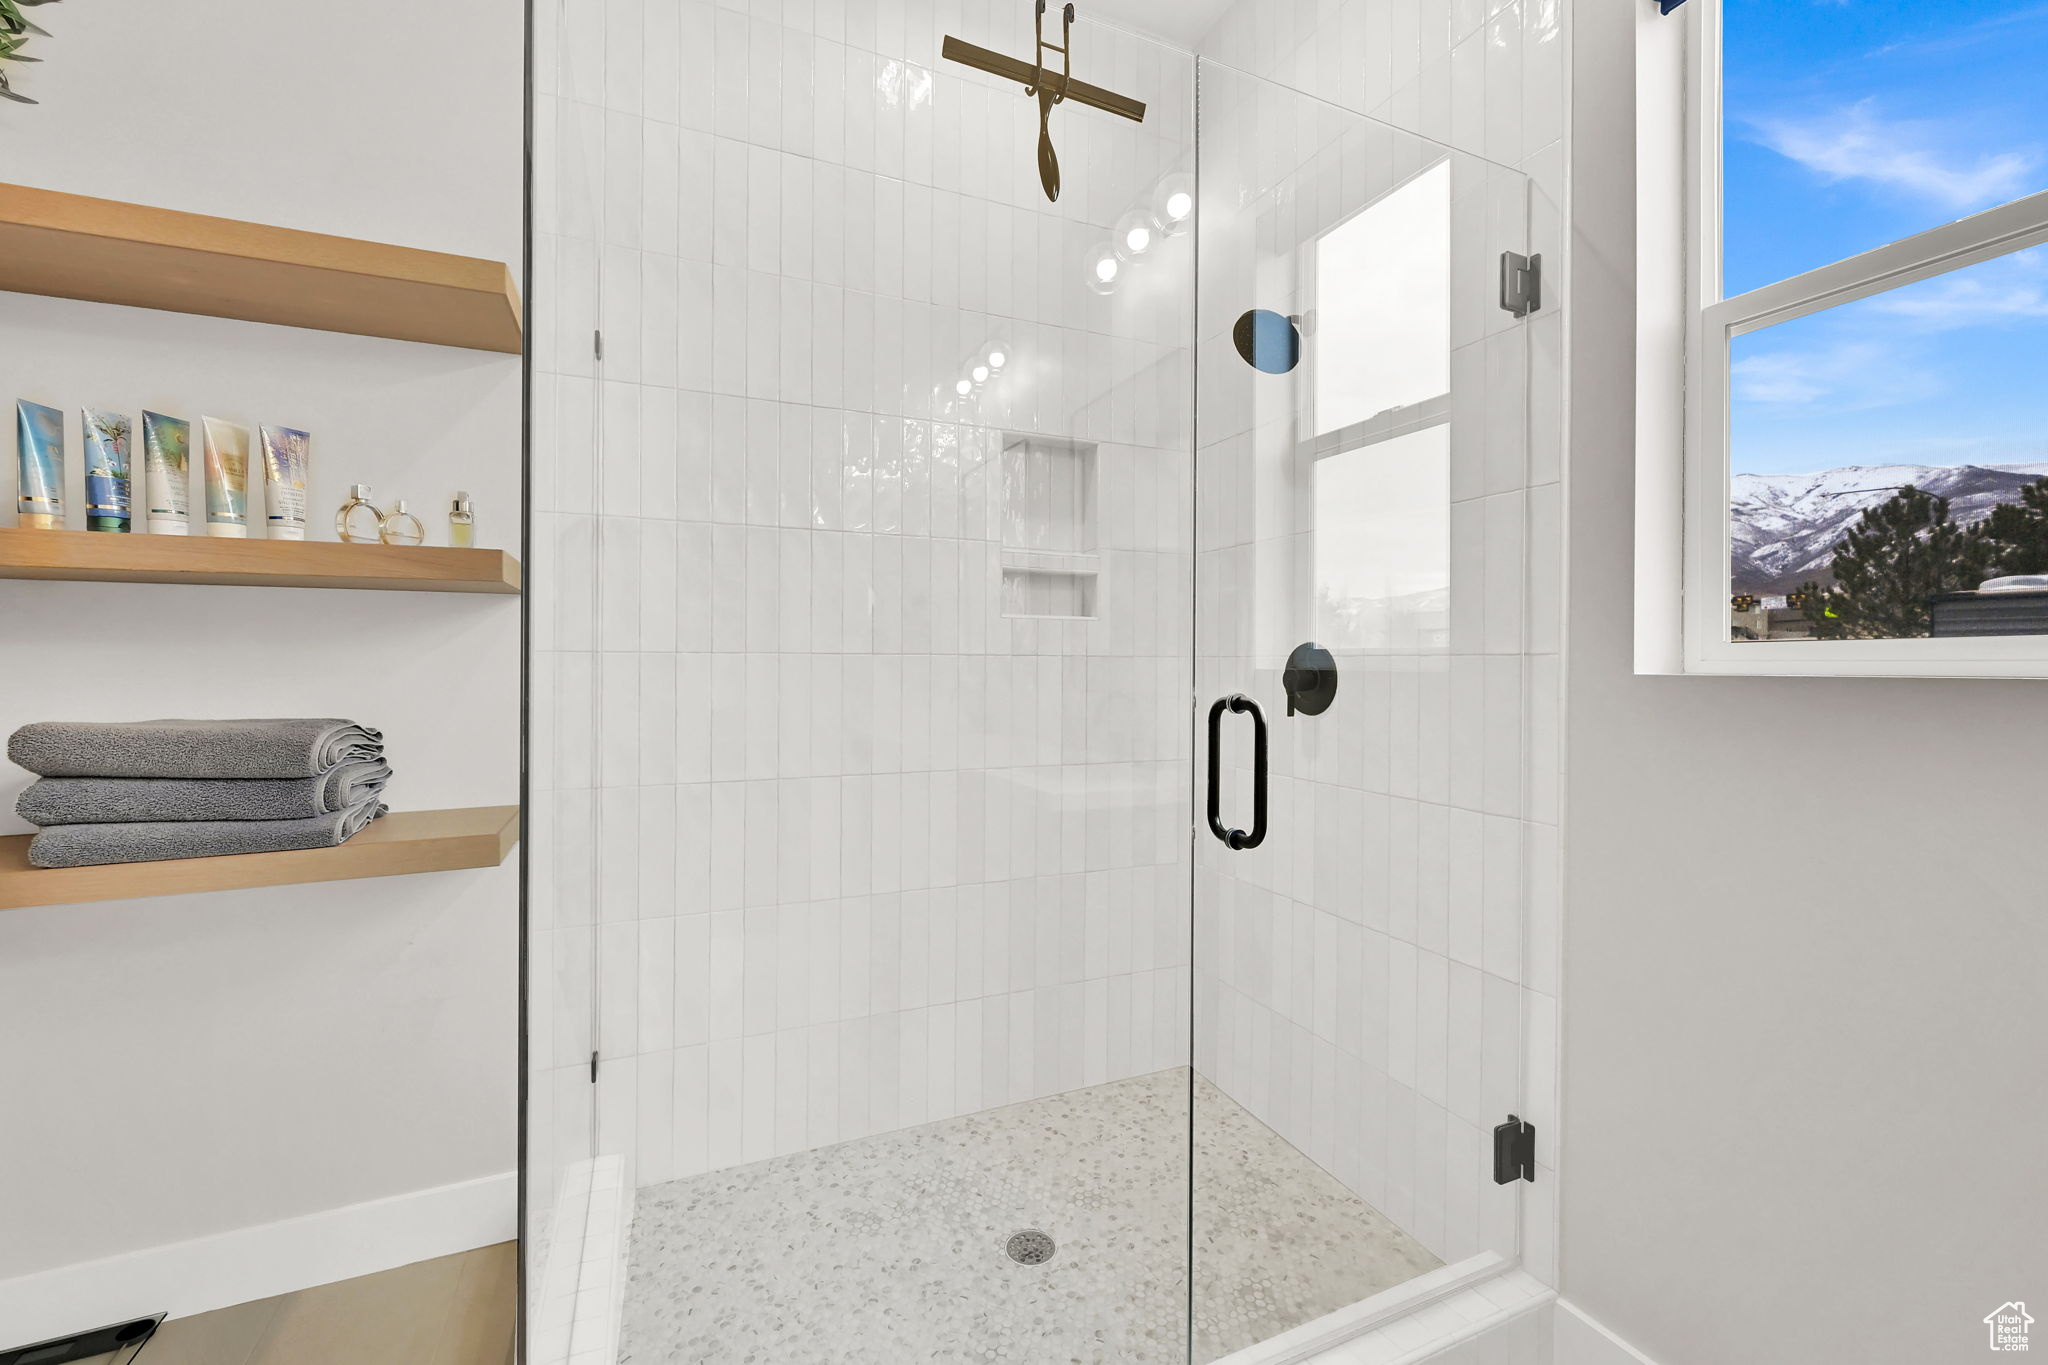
151, 841
191, 748
108, 800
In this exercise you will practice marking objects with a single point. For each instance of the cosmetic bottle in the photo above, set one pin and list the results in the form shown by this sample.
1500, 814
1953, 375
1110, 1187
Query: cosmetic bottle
166, 446
358, 521
106, 470
400, 527
461, 522
227, 478
39, 432
286, 455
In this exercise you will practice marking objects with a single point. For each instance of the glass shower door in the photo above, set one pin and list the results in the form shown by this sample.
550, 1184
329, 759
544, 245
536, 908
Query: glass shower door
1360, 685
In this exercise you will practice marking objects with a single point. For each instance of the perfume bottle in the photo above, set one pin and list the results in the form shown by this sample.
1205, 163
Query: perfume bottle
359, 521
400, 527
461, 522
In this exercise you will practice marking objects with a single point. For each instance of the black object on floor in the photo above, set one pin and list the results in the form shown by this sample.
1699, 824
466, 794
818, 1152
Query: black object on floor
120, 1336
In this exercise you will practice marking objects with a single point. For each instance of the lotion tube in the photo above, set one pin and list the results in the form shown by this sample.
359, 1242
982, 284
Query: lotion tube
287, 462
106, 470
227, 478
166, 443
39, 438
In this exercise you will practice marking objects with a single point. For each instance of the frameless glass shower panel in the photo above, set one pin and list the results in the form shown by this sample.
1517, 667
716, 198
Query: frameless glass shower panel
1359, 580
887, 775
568, 1184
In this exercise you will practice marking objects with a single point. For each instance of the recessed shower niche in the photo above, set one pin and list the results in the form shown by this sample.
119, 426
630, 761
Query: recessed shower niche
1050, 563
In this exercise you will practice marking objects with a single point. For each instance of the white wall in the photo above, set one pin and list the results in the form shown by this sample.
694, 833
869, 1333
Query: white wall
189, 1066
1804, 940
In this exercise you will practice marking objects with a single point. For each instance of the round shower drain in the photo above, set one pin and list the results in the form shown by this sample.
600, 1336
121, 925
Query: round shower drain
1030, 1247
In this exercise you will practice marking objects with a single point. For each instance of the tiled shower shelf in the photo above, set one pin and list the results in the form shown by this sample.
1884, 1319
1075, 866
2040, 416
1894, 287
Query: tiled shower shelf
401, 843
1049, 594
1051, 585
1050, 568
75, 247
1051, 561
103, 557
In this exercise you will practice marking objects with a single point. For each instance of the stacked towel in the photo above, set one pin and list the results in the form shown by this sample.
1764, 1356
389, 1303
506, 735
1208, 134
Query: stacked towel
191, 748
140, 791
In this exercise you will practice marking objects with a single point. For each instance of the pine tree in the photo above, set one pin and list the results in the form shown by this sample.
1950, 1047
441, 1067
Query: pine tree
1898, 557
2015, 536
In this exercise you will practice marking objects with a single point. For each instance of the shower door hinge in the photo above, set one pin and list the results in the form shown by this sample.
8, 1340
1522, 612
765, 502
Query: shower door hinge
593, 1068
1666, 6
1514, 1152
597, 344
1521, 283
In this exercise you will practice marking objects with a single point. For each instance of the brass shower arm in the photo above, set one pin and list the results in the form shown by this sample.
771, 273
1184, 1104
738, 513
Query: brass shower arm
1025, 74
1064, 47
1039, 86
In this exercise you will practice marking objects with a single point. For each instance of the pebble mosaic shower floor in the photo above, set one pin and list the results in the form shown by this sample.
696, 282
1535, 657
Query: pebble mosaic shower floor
892, 1249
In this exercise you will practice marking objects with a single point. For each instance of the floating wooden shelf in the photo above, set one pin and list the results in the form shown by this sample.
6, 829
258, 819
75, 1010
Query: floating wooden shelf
109, 557
400, 843
106, 251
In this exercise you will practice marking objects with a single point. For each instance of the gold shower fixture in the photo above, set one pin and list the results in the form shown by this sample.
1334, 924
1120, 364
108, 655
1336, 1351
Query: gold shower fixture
1048, 89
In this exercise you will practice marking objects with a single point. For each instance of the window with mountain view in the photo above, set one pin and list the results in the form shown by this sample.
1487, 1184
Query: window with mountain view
1886, 416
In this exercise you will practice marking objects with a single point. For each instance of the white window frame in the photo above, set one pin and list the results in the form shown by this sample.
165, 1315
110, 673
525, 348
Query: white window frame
1386, 425
1684, 332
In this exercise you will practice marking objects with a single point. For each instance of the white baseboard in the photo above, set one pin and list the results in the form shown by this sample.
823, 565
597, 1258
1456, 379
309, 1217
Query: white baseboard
1580, 1340
257, 1262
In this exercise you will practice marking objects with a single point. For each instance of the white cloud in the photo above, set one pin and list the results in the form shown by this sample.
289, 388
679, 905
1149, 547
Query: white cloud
1856, 143
1850, 376
2007, 289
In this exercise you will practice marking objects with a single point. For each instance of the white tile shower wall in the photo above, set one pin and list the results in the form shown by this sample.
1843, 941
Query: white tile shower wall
825, 845
1384, 991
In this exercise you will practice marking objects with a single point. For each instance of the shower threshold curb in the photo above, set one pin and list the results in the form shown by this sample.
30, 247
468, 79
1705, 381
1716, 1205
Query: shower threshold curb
1411, 1321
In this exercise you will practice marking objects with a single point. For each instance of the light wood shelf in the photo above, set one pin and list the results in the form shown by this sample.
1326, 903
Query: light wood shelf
401, 843
110, 557
76, 247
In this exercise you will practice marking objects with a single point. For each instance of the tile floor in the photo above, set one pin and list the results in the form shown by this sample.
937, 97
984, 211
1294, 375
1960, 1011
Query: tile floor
891, 1249
453, 1310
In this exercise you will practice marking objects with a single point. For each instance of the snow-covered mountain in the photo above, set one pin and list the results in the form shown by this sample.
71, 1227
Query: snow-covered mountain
1785, 527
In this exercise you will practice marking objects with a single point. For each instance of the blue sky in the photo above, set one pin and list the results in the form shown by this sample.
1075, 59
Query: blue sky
1851, 123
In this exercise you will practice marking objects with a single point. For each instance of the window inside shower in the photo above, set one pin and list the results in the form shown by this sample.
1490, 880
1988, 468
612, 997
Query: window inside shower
889, 1001
1379, 435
